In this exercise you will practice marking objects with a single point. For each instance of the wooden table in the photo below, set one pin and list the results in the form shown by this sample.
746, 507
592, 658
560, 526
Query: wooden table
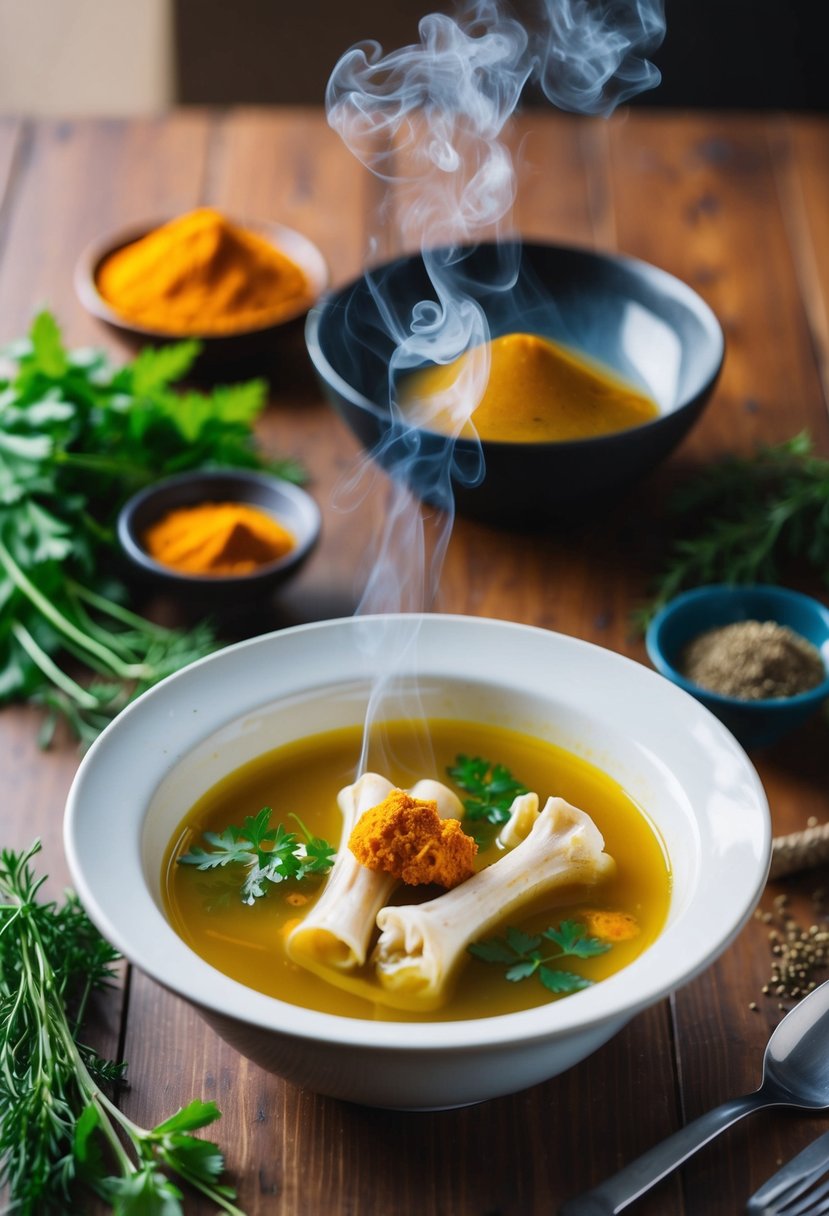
739, 208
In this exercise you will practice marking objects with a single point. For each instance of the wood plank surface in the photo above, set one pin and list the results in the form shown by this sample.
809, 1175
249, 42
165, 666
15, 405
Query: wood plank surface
705, 205
12, 135
735, 206
801, 157
80, 181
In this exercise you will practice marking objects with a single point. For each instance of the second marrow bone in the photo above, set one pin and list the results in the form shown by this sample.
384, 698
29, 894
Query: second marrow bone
422, 945
337, 930
522, 815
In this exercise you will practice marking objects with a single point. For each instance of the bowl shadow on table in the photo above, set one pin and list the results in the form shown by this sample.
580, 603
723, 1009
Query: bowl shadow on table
499, 1157
801, 754
297, 603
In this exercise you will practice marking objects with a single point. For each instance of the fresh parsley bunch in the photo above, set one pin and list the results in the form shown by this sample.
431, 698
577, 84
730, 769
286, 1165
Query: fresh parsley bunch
59, 1131
77, 437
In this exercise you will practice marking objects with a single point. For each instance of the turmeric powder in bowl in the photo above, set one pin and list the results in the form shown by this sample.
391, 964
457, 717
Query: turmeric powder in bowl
533, 390
217, 539
210, 536
202, 276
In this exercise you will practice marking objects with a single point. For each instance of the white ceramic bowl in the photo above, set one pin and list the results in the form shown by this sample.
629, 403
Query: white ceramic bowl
140, 778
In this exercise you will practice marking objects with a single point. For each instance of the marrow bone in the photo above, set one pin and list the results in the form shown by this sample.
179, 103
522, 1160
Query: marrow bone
337, 930
421, 946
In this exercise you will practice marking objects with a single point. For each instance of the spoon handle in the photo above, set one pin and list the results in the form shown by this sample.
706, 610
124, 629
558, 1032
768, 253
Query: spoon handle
635, 1179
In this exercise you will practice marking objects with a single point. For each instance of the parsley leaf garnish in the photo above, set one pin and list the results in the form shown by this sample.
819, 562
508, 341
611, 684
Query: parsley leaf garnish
491, 789
525, 955
269, 855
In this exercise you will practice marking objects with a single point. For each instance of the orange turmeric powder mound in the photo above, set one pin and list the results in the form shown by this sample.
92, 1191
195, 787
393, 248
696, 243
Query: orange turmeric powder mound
406, 837
217, 538
201, 275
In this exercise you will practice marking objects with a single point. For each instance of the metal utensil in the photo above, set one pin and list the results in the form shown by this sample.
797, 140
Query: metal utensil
795, 1073
791, 1191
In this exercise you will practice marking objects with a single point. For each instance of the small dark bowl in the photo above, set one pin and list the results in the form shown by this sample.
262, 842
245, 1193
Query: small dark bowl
754, 723
217, 349
289, 504
643, 323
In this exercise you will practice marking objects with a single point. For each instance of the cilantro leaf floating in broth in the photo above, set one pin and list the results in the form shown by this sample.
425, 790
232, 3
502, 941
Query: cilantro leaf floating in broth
526, 955
269, 855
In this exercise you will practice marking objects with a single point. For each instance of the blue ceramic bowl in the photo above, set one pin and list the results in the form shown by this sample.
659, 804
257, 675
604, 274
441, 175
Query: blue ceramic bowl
754, 723
643, 323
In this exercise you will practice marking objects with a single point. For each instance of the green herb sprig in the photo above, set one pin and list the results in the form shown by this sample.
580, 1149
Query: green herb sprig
59, 1131
77, 436
491, 789
746, 517
522, 955
269, 855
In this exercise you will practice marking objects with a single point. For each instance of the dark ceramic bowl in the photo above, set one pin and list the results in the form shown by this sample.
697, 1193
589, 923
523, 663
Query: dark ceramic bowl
292, 506
754, 723
217, 349
643, 323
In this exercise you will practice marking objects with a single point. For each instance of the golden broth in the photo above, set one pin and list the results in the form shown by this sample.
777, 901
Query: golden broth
247, 942
537, 392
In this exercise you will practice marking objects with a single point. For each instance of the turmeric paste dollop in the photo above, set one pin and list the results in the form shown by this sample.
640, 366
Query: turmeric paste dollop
406, 837
201, 275
610, 926
217, 538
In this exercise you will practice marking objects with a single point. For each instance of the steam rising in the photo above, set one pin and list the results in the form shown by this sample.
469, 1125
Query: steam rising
590, 57
428, 119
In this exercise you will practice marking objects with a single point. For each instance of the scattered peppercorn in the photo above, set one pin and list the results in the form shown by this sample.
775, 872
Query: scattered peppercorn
798, 954
753, 660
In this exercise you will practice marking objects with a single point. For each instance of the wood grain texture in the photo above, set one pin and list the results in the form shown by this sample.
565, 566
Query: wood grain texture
289, 166
703, 204
564, 191
12, 135
801, 156
294, 1153
80, 181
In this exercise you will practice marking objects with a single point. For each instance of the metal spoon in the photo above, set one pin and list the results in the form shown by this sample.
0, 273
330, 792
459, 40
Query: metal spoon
795, 1073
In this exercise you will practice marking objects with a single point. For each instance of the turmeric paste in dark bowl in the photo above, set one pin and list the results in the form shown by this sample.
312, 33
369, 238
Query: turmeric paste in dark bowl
585, 370
215, 534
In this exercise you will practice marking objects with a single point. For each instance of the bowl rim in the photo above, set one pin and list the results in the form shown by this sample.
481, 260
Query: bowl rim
638, 266
162, 954
289, 240
686, 600
268, 481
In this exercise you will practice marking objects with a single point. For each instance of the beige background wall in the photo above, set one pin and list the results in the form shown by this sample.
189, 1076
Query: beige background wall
85, 56
117, 57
